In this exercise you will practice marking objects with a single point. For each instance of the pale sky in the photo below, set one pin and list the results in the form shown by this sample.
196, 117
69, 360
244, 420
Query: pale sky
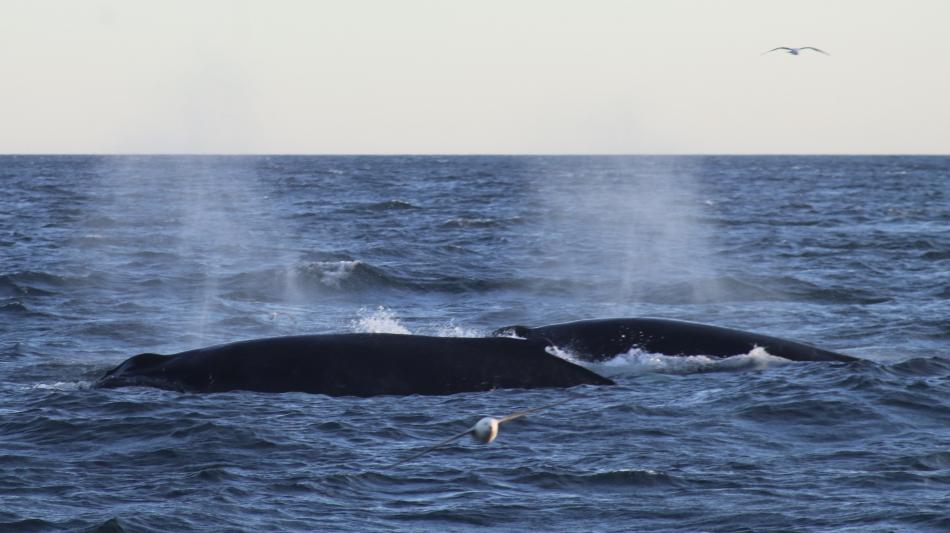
464, 77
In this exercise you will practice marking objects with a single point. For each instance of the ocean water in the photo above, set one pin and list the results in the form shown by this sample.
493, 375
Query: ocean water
104, 257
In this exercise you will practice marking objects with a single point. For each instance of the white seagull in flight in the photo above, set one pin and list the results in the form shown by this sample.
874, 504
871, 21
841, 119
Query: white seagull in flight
484, 431
796, 51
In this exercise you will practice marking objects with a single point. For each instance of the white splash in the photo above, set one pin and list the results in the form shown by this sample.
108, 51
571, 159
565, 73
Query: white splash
637, 362
380, 320
757, 359
62, 385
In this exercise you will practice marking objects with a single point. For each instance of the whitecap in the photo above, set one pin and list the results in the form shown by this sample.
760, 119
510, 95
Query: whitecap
331, 273
62, 385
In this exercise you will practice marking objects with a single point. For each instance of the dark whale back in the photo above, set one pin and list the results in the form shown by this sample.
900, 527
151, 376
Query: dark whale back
358, 364
599, 340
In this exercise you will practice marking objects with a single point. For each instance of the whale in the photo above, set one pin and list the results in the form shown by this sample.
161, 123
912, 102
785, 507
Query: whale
355, 364
603, 339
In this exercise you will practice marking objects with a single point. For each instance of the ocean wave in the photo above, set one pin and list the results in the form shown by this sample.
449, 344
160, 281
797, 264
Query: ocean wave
12, 350
307, 279
935, 461
62, 386
333, 272
475, 222
126, 330
157, 256
342, 275
354, 276
29, 283
9, 289
34, 524
390, 205
723, 289
603, 479
823, 411
936, 255
101, 221
757, 289
18, 308
368, 208
923, 366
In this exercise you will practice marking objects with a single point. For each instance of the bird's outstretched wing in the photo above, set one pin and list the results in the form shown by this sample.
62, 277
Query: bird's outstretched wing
430, 448
776, 48
815, 49
453, 438
514, 416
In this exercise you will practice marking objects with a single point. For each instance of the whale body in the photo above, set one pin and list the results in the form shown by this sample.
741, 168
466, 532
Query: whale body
355, 364
603, 339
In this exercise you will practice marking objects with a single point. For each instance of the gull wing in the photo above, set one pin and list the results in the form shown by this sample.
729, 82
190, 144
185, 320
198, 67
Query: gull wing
514, 416
776, 48
430, 448
815, 49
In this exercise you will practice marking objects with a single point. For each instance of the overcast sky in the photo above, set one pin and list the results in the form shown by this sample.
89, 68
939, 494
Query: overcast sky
485, 76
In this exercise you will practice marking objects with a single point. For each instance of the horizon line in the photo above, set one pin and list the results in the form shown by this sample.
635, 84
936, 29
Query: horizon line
479, 154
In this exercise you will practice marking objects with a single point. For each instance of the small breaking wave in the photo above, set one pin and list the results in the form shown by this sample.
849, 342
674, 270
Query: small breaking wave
478, 222
31, 284
63, 386
621, 478
306, 279
923, 366
936, 255
335, 274
345, 275
14, 307
18, 308
390, 205
376, 207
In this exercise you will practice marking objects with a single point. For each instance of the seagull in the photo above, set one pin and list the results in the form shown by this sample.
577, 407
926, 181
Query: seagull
483, 432
796, 51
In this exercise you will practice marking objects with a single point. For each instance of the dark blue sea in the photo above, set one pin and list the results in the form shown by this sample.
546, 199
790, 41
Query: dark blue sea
104, 257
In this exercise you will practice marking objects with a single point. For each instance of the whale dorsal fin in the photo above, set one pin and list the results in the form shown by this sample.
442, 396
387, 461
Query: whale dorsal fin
140, 362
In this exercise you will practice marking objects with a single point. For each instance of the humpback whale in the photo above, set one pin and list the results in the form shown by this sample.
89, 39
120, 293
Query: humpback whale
600, 340
355, 364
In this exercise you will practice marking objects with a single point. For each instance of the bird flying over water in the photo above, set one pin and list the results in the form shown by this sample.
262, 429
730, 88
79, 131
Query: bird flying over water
484, 431
796, 51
